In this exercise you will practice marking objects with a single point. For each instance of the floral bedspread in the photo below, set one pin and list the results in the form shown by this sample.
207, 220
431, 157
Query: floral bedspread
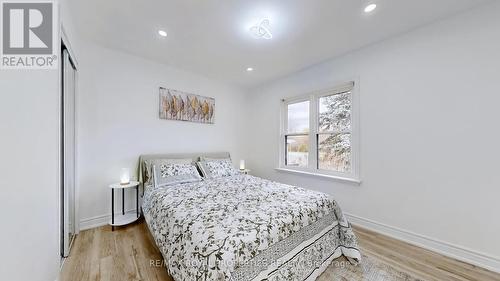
246, 228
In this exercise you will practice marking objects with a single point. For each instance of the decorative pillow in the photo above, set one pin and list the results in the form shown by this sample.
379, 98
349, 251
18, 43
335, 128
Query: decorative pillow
147, 173
148, 168
174, 171
217, 168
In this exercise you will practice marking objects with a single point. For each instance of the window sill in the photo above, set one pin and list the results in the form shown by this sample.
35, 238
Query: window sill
319, 175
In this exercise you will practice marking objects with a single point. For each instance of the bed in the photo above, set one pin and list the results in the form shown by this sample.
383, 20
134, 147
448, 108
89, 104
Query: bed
241, 228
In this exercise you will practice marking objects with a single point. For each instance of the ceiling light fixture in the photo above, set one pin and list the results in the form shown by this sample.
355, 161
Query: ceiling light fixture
250, 69
370, 8
162, 33
262, 30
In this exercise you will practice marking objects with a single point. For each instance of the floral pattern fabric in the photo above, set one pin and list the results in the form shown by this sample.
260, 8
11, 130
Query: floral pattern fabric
175, 173
217, 168
246, 228
169, 170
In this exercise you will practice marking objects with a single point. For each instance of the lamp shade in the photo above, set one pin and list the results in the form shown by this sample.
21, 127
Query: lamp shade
125, 176
242, 164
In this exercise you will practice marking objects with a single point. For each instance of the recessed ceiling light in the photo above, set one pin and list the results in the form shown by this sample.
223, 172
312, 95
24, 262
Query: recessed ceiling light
370, 8
250, 69
162, 33
262, 30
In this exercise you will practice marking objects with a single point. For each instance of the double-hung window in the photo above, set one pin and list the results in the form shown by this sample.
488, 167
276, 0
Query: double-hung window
320, 134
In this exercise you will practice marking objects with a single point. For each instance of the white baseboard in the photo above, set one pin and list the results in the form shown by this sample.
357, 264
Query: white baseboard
98, 221
447, 249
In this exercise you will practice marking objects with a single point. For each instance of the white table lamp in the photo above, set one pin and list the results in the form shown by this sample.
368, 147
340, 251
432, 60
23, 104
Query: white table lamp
125, 176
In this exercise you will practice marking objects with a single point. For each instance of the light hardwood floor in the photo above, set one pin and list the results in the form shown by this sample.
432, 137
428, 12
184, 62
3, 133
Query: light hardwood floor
418, 262
129, 253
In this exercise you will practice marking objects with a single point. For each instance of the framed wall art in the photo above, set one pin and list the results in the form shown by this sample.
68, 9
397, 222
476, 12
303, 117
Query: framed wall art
178, 105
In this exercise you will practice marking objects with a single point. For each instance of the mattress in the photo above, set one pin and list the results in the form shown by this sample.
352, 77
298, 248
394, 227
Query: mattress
247, 228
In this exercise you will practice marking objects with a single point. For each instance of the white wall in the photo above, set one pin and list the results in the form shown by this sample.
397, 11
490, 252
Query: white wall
29, 149
429, 130
29, 146
118, 121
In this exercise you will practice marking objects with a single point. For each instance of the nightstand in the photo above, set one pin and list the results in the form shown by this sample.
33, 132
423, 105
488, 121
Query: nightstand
124, 219
245, 171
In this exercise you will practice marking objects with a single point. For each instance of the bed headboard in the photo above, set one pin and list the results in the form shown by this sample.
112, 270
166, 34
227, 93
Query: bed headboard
194, 156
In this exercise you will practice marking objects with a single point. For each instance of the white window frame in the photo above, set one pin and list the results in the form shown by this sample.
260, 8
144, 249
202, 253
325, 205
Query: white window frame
313, 98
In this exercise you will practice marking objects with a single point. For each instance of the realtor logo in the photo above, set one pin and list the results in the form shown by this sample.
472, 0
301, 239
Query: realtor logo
28, 35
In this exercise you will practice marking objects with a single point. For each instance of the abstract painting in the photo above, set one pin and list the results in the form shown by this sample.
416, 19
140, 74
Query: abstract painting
177, 105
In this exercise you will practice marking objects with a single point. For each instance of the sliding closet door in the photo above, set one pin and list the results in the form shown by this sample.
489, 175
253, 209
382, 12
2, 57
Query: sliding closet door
68, 153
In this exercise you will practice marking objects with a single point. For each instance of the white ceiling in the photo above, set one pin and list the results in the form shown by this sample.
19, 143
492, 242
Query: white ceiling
211, 37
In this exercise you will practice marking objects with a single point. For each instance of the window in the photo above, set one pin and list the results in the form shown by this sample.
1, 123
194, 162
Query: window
297, 135
319, 134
